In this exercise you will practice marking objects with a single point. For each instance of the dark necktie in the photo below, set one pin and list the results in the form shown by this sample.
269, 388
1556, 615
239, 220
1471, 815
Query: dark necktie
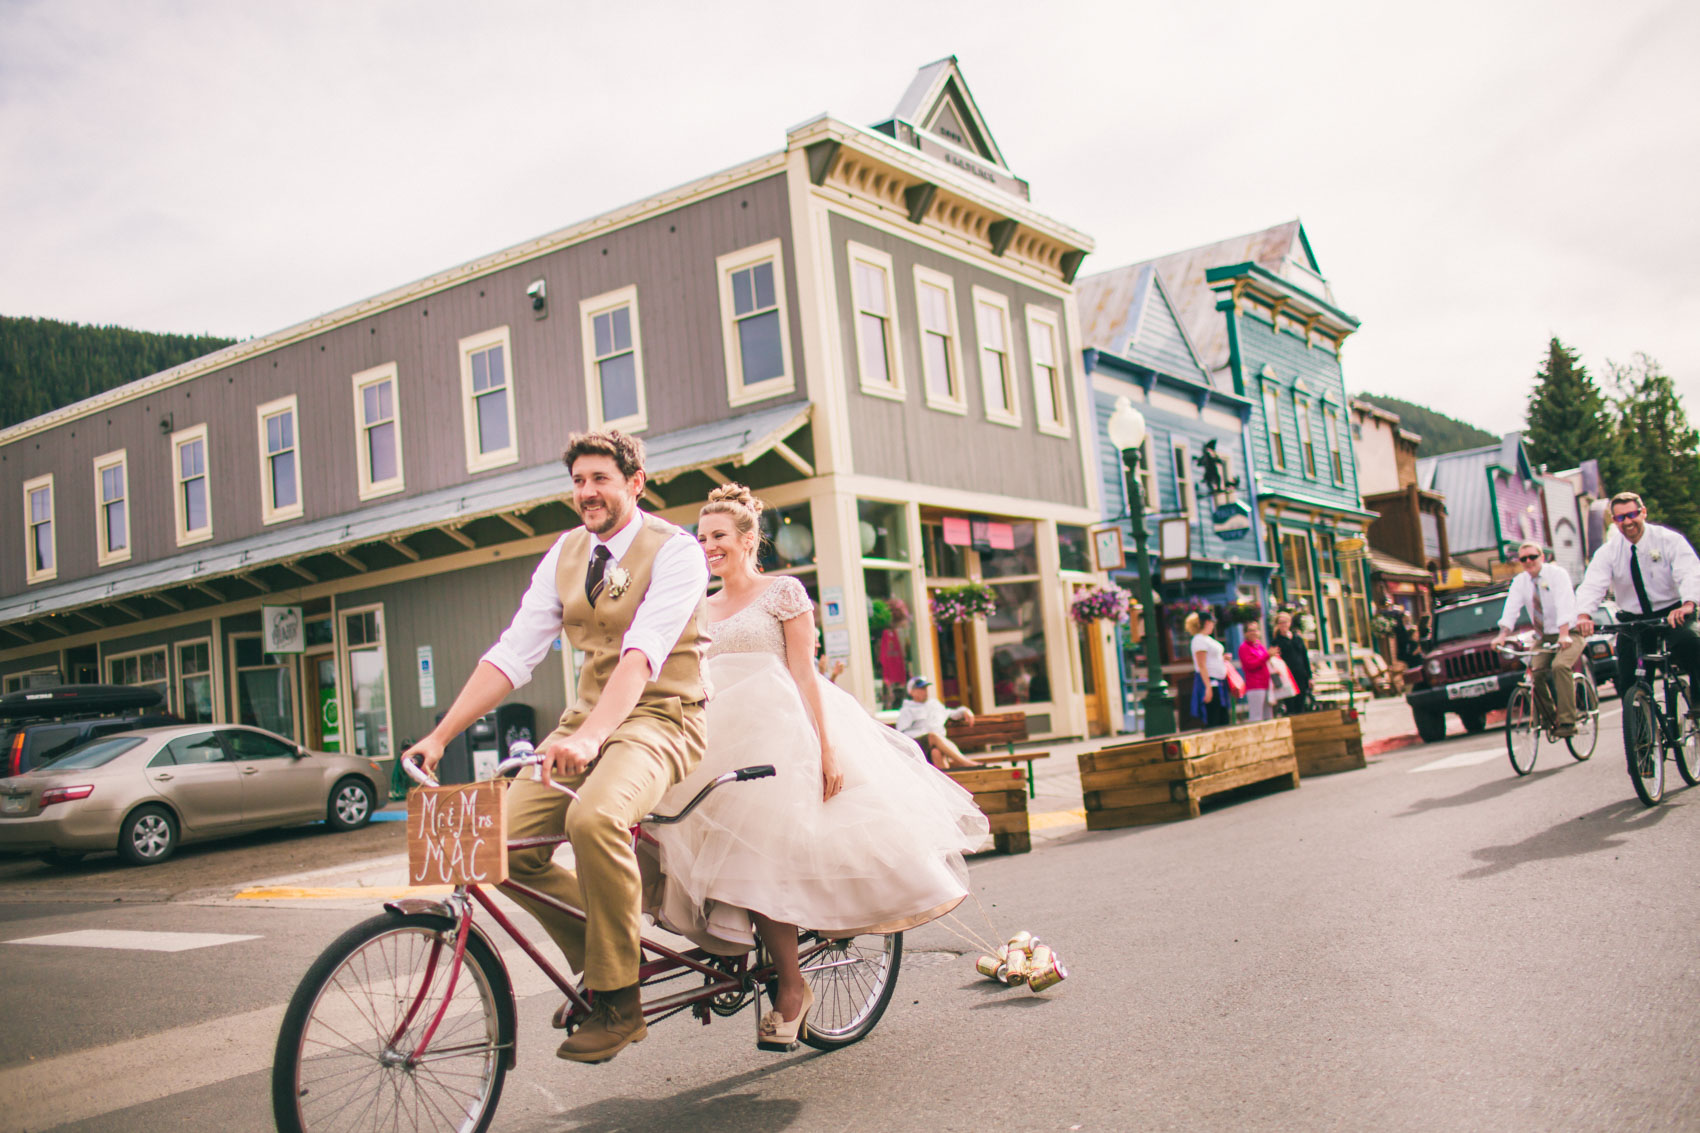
1635, 577
593, 578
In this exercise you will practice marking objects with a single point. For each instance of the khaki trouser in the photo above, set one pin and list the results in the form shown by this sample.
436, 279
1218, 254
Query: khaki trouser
656, 746
1561, 690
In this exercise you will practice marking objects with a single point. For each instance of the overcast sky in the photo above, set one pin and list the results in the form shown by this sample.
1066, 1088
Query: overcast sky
1475, 177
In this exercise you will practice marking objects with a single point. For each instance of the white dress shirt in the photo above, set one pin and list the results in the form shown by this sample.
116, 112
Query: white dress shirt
1547, 596
917, 718
1669, 570
677, 583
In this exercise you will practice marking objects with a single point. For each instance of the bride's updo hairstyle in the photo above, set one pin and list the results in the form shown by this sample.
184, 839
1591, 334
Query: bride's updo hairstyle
740, 504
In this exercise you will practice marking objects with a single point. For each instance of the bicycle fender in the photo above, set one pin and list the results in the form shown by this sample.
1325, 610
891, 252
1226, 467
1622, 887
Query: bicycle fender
407, 906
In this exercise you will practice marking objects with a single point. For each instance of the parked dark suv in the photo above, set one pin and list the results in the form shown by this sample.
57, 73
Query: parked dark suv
38, 725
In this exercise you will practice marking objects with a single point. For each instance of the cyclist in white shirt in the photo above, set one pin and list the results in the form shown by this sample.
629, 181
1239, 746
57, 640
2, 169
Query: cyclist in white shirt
1543, 589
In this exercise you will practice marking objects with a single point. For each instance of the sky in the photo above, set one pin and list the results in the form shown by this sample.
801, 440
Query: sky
1475, 178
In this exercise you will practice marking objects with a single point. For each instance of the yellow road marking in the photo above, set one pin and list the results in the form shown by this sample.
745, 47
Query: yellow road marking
1048, 819
326, 893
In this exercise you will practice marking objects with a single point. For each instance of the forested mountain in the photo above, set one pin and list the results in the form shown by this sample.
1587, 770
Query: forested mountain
45, 364
1440, 433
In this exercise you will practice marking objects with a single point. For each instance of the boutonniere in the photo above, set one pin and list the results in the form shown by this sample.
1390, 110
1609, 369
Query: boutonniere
618, 579
1655, 556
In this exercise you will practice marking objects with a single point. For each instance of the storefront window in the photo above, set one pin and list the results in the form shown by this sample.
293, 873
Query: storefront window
943, 560
265, 687
1016, 635
363, 634
1022, 558
788, 538
891, 632
884, 530
1073, 548
194, 682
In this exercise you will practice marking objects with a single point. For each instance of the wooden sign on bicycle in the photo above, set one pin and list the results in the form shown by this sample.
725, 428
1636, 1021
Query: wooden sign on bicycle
458, 835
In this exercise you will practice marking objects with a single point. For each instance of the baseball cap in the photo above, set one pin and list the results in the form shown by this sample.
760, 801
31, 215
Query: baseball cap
919, 682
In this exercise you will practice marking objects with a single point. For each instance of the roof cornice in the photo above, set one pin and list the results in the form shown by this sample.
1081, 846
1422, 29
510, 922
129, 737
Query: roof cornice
1232, 278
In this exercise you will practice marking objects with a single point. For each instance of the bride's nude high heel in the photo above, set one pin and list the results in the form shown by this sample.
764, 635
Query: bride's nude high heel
776, 1034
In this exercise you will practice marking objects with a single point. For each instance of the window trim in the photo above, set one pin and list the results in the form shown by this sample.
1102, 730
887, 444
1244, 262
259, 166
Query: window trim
186, 537
958, 403
345, 672
369, 489
47, 574
1000, 303
1272, 425
269, 511
468, 346
738, 392
104, 554
1336, 455
1307, 436
170, 673
588, 309
1041, 317
1186, 490
895, 389
175, 664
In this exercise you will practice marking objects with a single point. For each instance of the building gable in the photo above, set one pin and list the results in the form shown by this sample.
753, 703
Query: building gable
938, 116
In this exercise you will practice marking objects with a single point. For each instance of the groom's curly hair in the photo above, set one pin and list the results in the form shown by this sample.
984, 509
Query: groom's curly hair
625, 451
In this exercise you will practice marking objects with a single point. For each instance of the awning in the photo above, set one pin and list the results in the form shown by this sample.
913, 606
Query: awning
1387, 566
377, 535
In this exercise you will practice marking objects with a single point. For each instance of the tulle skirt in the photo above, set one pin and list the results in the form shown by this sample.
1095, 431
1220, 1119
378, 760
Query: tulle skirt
883, 855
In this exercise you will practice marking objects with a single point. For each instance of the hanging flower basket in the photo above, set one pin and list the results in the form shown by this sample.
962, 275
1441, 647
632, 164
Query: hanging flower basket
1103, 603
1243, 613
954, 604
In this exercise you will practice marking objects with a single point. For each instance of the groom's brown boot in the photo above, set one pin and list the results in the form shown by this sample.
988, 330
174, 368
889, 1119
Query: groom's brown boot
616, 1021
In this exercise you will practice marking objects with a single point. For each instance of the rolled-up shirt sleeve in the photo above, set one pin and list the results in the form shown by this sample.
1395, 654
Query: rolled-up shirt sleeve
536, 624
1515, 599
677, 584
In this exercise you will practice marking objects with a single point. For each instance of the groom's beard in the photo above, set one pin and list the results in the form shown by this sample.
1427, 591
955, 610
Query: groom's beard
610, 517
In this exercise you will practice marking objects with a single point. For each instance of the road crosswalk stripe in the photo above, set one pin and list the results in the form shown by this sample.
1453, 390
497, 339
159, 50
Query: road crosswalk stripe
1461, 759
131, 940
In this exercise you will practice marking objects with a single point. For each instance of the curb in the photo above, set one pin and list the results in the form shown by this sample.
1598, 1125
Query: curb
1391, 743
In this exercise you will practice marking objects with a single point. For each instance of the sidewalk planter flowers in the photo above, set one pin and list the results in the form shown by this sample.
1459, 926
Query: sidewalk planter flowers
1103, 603
952, 604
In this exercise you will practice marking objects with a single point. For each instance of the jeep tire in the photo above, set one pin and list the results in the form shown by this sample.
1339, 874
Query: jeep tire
1475, 721
1431, 725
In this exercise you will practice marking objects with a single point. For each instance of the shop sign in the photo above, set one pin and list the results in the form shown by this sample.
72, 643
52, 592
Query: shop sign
1231, 520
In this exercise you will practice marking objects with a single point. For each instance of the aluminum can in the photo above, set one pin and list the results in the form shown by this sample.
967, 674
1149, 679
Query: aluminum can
988, 966
1052, 974
1022, 941
1017, 965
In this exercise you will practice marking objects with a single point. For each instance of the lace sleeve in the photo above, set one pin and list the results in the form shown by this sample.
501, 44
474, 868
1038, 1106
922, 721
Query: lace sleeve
786, 599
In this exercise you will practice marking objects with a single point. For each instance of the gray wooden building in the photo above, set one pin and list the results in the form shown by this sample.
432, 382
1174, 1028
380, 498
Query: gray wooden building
872, 326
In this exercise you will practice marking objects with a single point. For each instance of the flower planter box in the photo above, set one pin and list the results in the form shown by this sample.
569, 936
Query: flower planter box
1328, 741
1163, 780
1001, 795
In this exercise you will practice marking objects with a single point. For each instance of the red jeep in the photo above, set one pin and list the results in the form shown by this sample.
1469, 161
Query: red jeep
1461, 671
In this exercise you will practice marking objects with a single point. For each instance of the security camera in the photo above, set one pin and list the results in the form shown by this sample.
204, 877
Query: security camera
539, 294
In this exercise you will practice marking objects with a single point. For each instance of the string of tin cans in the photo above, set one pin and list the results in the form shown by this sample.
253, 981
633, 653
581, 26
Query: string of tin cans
1024, 960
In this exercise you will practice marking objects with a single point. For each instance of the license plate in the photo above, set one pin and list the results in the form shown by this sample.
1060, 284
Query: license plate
1472, 688
14, 804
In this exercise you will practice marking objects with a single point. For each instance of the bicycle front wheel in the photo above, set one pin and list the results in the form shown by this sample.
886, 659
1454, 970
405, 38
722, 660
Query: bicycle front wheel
345, 1056
1522, 737
852, 981
1641, 745
1688, 732
1587, 718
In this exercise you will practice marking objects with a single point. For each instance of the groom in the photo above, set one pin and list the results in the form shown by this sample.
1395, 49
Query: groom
627, 590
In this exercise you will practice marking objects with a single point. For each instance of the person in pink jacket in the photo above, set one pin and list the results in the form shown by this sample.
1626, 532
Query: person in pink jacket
1254, 663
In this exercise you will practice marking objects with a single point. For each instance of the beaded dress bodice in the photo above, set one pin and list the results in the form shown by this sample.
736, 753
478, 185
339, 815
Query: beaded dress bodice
757, 627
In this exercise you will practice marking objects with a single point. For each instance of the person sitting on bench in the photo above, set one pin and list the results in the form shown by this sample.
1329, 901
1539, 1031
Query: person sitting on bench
922, 719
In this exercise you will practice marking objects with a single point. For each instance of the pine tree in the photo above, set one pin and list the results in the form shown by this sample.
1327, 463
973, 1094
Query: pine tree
1569, 418
1662, 446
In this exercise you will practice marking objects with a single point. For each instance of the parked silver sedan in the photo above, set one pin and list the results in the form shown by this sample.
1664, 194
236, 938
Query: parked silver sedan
144, 792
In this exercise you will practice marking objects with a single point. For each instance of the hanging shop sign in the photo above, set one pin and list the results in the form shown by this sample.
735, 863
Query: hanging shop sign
1231, 520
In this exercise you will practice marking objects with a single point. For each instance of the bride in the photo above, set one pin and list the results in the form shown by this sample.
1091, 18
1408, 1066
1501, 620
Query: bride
856, 833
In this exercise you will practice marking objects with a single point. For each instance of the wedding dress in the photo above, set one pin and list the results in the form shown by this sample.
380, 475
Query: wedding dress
882, 855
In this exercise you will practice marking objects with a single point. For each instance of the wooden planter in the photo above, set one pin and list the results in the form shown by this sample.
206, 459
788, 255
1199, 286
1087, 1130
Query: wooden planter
1162, 780
1328, 741
1001, 795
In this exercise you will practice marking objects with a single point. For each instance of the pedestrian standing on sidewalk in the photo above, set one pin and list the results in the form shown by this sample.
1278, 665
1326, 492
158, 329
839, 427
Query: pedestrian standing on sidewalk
1210, 671
1296, 656
1254, 663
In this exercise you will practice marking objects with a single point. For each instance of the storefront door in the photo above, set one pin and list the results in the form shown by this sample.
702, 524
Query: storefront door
953, 661
323, 714
1091, 658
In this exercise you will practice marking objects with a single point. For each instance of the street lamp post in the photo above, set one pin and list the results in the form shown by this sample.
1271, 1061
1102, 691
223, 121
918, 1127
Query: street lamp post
1127, 433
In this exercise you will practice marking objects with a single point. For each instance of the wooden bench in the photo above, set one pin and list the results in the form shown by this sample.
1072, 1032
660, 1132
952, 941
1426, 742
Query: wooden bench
1163, 780
1328, 687
996, 729
999, 795
1327, 741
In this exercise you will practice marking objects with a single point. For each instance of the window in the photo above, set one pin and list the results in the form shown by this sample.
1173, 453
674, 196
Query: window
1307, 442
1331, 428
876, 322
194, 681
486, 380
753, 324
368, 680
941, 356
265, 686
192, 500
1272, 422
613, 361
377, 432
255, 745
997, 374
186, 751
145, 668
40, 550
1186, 496
280, 464
1050, 383
112, 508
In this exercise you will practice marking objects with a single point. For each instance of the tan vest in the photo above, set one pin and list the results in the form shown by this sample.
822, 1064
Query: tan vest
600, 630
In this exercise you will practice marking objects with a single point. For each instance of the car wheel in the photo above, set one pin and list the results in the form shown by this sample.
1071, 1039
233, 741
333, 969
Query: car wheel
350, 806
1431, 725
148, 836
1474, 721
62, 857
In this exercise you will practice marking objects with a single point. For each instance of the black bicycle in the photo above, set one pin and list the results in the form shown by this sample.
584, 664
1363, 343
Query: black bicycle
1658, 714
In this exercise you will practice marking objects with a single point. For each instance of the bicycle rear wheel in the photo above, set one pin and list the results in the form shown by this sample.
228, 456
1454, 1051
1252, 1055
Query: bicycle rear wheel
1688, 729
1587, 718
1641, 744
852, 981
1522, 737
344, 1055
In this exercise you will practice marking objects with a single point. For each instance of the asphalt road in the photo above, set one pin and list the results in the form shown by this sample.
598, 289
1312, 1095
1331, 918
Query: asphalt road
1428, 943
